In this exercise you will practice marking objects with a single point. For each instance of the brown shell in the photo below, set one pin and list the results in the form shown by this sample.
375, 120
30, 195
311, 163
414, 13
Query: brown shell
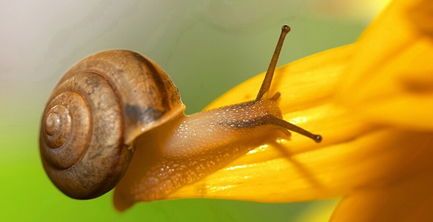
94, 114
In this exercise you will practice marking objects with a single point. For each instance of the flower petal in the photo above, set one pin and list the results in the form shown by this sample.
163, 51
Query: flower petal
274, 174
303, 83
352, 154
407, 200
390, 78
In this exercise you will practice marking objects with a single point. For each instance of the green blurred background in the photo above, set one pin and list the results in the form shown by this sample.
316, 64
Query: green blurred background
206, 46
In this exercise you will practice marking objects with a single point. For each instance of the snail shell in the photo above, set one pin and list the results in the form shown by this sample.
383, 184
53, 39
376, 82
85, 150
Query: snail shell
94, 114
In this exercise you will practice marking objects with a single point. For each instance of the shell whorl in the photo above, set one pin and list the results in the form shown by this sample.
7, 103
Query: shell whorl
94, 114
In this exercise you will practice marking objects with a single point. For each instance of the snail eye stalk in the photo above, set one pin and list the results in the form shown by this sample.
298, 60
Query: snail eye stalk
267, 84
271, 69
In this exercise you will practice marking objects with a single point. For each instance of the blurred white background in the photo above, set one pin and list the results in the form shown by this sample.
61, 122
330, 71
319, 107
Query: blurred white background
42, 39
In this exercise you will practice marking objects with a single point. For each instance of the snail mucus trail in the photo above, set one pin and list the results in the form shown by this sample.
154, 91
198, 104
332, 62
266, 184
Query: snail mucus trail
119, 99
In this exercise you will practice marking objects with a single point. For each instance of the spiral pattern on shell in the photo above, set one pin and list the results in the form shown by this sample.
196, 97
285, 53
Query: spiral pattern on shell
93, 116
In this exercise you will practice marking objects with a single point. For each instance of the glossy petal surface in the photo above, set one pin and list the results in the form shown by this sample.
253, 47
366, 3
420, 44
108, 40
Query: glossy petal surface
390, 77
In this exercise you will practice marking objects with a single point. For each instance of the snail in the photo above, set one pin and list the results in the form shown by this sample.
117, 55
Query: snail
105, 102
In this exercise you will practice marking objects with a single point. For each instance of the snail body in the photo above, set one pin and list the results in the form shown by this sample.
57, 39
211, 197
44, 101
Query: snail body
116, 103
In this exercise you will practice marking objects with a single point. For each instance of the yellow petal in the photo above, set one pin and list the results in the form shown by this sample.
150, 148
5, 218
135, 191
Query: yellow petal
420, 12
390, 79
303, 83
406, 200
274, 174
352, 154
